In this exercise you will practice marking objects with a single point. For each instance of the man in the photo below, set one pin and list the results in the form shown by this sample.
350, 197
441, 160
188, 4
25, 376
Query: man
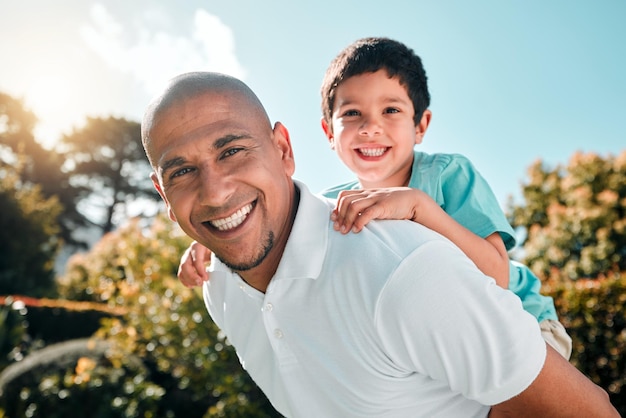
383, 323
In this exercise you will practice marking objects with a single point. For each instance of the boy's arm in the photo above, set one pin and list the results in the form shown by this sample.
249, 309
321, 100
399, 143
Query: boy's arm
560, 390
355, 208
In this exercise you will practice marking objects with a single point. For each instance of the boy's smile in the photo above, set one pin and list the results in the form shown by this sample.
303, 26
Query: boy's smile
373, 130
372, 152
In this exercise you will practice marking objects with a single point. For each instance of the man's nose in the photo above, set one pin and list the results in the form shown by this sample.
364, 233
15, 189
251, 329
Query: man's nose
216, 187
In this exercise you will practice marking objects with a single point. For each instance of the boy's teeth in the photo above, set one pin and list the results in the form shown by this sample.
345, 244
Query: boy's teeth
372, 152
233, 220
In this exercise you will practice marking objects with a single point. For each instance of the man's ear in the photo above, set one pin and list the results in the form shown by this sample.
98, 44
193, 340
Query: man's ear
422, 126
329, 133
157, 186
283, 142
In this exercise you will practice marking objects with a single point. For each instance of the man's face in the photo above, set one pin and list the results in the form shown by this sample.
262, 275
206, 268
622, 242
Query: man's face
225, 176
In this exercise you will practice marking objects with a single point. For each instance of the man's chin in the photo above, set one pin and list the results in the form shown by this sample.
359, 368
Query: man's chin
242, 263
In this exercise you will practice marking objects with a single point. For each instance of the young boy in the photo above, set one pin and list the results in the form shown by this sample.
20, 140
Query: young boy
375, 110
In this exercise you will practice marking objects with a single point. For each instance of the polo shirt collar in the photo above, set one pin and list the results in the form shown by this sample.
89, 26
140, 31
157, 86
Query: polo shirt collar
306, 247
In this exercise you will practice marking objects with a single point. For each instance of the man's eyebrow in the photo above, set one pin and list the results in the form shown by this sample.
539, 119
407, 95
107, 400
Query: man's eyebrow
171, 163
227, 139
219, 143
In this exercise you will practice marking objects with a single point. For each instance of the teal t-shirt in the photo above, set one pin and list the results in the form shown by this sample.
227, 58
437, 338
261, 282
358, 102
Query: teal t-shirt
459, 189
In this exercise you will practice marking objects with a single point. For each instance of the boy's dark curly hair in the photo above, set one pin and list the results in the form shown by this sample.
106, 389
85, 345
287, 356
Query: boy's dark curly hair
370, 55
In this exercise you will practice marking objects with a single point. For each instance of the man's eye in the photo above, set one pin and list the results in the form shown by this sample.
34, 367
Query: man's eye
181, 172
231, 151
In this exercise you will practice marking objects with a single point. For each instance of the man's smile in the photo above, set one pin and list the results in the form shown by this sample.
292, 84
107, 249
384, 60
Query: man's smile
232, 221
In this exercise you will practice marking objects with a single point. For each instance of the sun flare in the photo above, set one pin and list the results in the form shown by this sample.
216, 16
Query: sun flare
48, 98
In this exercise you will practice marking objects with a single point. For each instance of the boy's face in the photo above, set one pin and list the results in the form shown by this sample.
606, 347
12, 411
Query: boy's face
373, 130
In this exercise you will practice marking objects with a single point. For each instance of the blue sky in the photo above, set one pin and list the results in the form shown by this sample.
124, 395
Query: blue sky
511, 81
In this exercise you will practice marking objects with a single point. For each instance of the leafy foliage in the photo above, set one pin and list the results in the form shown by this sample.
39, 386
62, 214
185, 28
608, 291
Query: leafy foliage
16, 125
75, 378
95, 172
165, 323
107, 169
28, 232
575, 216
38, 166
14, 340
593, 313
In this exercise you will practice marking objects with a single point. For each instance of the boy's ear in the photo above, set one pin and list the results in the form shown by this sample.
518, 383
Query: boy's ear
422, 126
329, 133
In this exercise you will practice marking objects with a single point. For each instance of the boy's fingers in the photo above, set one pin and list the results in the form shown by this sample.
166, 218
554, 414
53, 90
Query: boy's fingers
198, 264
188, 275
362, 219
338, 215
192, 270
354, 211
356, 216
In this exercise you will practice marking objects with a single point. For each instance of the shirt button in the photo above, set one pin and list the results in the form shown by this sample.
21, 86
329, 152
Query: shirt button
278, 334
269, 307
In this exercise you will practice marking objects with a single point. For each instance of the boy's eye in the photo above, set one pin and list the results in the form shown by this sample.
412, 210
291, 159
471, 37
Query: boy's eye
391, 110
351, 113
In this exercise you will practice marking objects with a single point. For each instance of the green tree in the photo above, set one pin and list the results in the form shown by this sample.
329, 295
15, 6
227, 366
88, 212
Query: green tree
575, 219
29, 236
39, 166
575, 216
107, 169
592, 311
16, 125
134, 268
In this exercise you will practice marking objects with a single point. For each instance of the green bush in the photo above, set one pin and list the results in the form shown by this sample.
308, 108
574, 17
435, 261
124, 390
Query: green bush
574, 216
29, 236
594, 315
14, 339
75, 378
164, 324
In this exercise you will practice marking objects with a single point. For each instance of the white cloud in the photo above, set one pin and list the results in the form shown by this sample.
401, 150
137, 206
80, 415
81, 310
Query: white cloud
153, 55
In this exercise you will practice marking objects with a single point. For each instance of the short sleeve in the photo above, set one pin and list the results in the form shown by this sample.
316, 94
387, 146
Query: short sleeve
468, 198
441, 317
333, 192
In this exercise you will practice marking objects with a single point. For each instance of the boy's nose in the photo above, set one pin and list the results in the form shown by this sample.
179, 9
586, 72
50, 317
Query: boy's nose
370, 127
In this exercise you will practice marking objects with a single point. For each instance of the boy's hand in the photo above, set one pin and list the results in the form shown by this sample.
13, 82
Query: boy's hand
192, 269
355, 208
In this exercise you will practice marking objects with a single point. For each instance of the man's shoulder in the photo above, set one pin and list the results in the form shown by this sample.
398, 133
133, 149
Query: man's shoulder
399, 237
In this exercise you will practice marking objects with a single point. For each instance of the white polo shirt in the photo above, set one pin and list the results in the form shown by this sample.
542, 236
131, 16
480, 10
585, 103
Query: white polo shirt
391, 322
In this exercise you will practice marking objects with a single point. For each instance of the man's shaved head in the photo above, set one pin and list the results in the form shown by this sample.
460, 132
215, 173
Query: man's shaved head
194, 84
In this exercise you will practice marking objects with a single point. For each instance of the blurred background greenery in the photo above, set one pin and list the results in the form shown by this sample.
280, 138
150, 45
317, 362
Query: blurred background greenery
94, 323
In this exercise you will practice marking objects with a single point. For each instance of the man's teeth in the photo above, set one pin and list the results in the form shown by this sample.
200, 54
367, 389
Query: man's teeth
233, 220
372, 152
